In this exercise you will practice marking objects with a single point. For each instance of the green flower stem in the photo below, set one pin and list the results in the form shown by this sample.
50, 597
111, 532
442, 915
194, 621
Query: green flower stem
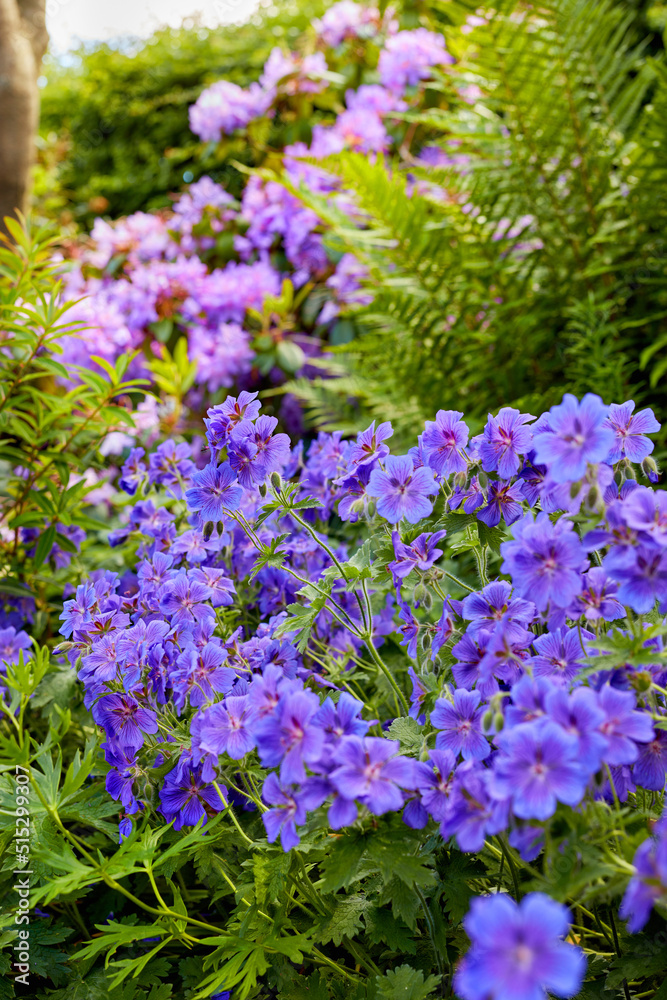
232, 816
379, 662
349, 624
430, 923
512, 867
257, 798
111, 882
480, 558
361, 956
471, 590
334, 965
313, 534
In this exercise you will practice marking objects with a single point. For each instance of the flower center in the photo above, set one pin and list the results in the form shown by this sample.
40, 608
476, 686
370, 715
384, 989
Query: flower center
523, 957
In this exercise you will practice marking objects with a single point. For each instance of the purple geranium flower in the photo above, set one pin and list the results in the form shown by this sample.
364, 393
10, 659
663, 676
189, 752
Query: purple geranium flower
443, 631
410, 629
369, 446
124, 829
289, 808
629, 429
504, 501
580, 715
560, 654
228, 728
641, 573
185, 600
623, 725
124, 719
12, 644
460, 726
289, 736
494, 603
353, 494
186, 798
650, 880
342, 718
215, 489
518, 950
401, 490
367, 769
273, 450
645, 510
544, 561
538, 767
420, 554
472, 814
471, 496
417, 695
505, 438
443, 440
434, 780
77, 613
133, 472
578, 434
650, 768
596, 599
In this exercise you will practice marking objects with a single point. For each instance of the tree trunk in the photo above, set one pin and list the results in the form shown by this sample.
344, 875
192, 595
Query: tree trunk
23, 41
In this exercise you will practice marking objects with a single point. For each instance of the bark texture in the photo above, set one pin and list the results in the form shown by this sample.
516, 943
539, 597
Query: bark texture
23, 41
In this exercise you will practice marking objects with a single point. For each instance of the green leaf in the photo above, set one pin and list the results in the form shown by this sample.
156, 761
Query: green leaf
393, 848
10, 585
455, 885
632, 967
490, 536
290, 356
44, 545
115, 934
405, 983
344, 921
301, 620
341, 863
382, 927
410, 734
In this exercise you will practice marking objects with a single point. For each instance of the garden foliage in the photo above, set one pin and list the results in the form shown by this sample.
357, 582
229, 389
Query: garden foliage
507, 211
537, 263
114, 127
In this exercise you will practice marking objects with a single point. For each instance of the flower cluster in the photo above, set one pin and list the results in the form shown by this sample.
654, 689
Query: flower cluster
519, 710
200, 270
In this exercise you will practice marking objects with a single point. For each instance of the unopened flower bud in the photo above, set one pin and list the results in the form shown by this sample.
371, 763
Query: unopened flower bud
262, 489
220, 527
64, 647
593, 498
642, 681
482, 479
208, 530
498, 721
425, 641
460, 480
427, 599
420, 593
276, 481
624, 470
574, 490
650, 469
487, 720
